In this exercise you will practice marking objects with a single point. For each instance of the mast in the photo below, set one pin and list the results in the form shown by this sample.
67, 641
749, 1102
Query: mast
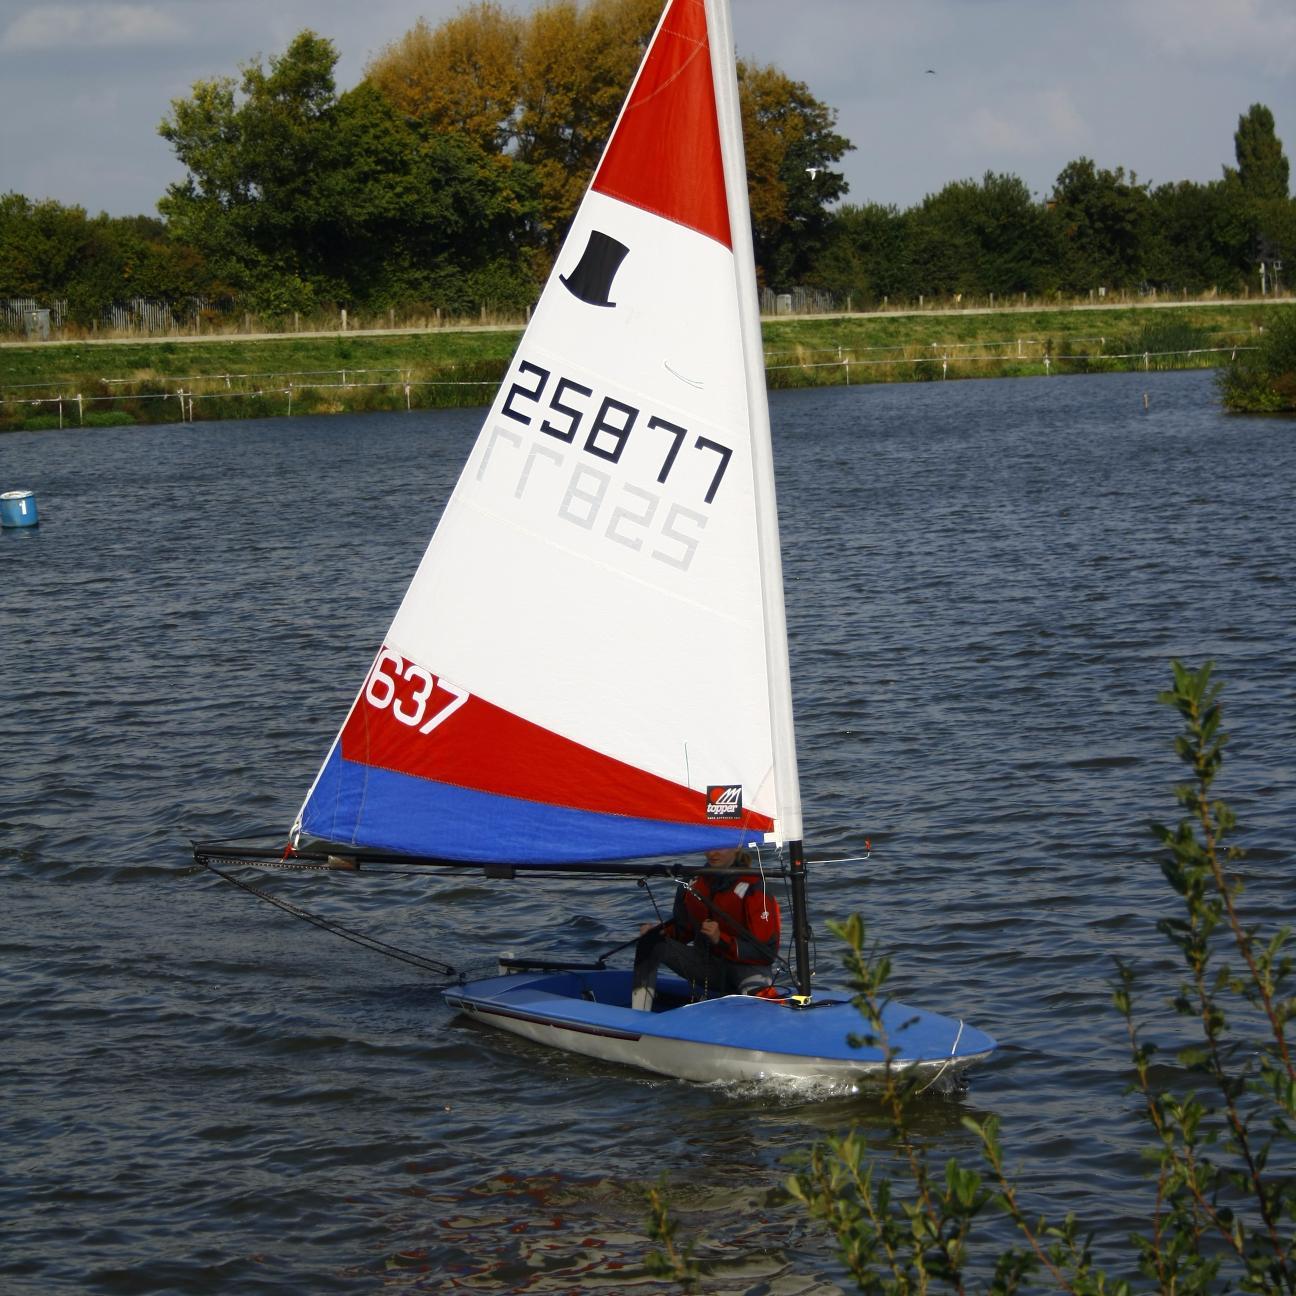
786, 780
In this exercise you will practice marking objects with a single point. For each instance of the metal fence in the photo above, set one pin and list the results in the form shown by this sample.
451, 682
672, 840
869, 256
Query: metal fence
800, 301
26, 316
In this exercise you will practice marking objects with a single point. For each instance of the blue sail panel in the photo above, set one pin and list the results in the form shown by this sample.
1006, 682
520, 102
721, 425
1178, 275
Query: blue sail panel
359, 805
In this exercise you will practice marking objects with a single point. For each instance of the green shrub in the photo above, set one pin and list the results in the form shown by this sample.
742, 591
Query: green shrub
1221, 1139
1263, 381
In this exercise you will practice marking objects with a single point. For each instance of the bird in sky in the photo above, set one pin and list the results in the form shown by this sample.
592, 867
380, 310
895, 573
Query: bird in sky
931, 71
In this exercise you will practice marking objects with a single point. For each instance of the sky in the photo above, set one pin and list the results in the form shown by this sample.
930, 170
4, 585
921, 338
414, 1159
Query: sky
1018, 86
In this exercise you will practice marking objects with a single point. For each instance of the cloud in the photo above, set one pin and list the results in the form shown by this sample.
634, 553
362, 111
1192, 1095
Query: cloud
1043, 123
67, 27
1262, 31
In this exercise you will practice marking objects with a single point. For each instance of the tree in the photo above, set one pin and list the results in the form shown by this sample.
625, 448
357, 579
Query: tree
791, 142
879, 241
301, 197
52, 252
576, 65
1101, 217
250, 201
41, 244
983, 238
1261, 164
462, 78
1199, 236
424, 219
546, 90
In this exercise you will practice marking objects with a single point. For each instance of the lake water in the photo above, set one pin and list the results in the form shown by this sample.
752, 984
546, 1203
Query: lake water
986, 582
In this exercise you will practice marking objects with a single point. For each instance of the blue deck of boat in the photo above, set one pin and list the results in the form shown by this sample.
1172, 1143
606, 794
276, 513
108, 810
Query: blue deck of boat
597, 1003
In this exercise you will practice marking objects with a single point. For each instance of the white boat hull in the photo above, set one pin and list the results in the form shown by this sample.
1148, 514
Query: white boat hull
736, 1038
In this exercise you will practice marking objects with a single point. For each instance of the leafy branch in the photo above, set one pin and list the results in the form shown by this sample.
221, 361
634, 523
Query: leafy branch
1223, 1214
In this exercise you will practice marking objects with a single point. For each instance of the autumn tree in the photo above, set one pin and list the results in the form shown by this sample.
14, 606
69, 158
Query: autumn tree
461, 78
545, 90
791, 143
577, 63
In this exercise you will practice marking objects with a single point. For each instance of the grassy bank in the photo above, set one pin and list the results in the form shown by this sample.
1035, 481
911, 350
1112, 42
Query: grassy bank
46, 385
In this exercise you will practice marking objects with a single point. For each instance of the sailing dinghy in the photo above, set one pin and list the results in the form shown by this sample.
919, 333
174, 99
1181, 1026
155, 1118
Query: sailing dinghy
589, 670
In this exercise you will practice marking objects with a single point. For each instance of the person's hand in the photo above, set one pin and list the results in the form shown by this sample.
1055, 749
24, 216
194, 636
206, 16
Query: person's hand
711, 930
645, 928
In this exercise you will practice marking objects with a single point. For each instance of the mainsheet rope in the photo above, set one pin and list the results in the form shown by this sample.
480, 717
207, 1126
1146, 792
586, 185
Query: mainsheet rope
435, 966
346, 933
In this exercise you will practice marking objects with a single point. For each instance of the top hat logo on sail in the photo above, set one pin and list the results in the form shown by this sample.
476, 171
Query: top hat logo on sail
591, 281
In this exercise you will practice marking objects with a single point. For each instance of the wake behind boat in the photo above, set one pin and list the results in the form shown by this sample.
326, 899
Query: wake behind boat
591, 663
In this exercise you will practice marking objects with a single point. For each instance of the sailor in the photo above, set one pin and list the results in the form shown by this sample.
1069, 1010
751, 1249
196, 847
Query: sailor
722, 936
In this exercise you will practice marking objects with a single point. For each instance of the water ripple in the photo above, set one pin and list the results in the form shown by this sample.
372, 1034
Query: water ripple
985, 582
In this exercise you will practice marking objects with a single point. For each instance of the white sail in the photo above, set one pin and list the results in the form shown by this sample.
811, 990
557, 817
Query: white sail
591, 659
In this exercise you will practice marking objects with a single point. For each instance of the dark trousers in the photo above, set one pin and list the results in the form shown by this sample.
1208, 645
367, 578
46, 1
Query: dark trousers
707, 974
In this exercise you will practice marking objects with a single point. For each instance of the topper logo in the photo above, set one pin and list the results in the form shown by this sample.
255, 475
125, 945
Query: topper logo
724, 801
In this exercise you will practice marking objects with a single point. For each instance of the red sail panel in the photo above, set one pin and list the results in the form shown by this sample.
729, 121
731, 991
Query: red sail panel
485, 748
665, 154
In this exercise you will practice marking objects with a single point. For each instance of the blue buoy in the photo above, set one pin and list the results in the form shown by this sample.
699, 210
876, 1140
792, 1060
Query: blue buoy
18, 509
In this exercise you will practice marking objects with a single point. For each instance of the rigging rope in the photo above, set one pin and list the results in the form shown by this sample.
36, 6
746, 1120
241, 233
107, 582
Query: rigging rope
327, 924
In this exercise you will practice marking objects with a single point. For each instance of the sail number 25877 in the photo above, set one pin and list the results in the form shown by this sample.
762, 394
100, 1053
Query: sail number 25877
564, 415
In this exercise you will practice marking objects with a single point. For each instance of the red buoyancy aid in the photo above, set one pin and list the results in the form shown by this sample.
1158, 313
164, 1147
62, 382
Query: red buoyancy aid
742, 907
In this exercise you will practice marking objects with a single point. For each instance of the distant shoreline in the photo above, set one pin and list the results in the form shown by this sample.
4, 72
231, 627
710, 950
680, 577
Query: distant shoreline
435, 330
99, 382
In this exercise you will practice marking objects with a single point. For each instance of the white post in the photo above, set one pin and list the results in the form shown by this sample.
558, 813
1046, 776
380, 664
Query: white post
344, 319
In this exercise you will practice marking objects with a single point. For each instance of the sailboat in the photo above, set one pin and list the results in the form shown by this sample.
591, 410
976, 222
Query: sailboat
589, 671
